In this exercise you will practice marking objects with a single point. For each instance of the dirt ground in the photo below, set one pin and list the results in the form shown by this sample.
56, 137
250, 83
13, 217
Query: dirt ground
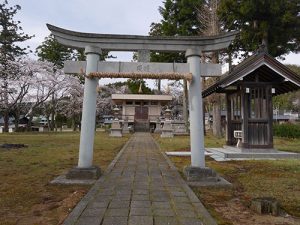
238, 214
40, 214
232, 211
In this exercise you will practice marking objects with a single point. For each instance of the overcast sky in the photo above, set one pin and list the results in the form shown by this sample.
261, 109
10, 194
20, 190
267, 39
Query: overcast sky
95, 16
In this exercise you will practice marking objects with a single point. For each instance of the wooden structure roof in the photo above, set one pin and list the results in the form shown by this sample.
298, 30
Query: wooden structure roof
267, 68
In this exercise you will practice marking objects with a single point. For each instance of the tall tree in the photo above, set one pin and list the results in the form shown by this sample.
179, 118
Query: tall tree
52, 51
211, 26
179, 18
272, 23
11, 33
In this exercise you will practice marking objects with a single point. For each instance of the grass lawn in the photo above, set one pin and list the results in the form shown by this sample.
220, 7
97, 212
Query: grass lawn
250, 179
25, 195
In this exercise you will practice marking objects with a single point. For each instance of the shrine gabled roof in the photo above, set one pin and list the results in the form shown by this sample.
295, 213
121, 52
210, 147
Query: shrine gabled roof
269, 70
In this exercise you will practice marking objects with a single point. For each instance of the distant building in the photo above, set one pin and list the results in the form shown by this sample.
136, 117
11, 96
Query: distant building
141, 110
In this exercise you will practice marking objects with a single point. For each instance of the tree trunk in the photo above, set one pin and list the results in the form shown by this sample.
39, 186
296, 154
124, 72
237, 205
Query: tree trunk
6, 109
52, 121
217, 128
185, 105
74, 123
216, 111
265, 42
6, 120
29, 123
17, 120
230, 61
48, 122
159, 85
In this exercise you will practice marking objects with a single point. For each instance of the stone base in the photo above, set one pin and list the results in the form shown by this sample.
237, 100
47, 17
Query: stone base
157, 131
77, 173
125, 131
62, 180
167, 134
115, 132
193, 173
197, 176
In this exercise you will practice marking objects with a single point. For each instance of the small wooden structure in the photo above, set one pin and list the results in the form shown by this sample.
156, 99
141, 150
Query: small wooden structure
249, 88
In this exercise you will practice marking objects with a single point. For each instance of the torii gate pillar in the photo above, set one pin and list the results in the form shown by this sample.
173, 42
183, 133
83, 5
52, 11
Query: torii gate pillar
85, 168
197, 172
195, 108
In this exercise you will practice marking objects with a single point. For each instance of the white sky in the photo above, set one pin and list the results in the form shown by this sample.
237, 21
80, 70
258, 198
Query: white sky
95, 16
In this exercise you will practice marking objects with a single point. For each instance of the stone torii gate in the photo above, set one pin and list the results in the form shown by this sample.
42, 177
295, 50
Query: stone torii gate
94, 69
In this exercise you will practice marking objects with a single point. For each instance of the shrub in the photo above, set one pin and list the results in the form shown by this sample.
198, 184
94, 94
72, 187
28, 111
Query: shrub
287, 130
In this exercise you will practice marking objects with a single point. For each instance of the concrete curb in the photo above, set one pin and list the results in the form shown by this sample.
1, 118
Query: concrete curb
76, 212
206, 218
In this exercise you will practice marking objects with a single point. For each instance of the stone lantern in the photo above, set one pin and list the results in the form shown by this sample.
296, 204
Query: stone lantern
168, 114
116, 130
116, 112
167, 130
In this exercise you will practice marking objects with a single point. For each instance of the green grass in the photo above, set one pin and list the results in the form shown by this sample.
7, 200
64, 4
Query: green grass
26, 173
182, 143
287, 144
250, 179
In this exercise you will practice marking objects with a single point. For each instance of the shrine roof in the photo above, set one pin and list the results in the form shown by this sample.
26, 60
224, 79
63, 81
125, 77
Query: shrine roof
266, 67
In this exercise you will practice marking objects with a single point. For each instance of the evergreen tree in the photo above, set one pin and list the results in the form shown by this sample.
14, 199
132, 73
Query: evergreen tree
52, 51
10, 33
272, 23
134, 86
179, 18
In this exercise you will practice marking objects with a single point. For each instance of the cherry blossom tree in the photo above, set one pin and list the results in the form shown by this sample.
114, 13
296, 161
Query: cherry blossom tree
70, 104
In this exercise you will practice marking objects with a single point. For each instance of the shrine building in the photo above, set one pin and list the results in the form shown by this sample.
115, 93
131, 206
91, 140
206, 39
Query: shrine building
249, 88
141, 110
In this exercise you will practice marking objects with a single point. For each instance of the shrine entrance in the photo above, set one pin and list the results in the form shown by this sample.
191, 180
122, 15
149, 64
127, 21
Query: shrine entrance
141, 113
93, 70
141, 122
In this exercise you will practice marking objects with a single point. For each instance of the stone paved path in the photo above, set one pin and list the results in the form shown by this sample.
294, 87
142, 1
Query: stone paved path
142, 188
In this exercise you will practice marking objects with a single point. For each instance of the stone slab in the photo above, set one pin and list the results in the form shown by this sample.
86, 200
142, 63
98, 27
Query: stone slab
184, 153
220, 183
63, 180
200, 174
227, 154
84, 173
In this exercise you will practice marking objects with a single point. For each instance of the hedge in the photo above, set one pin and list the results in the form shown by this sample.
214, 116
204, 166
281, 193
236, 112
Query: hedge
287, 130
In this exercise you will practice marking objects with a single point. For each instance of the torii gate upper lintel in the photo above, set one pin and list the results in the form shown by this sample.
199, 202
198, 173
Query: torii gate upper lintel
94, 43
